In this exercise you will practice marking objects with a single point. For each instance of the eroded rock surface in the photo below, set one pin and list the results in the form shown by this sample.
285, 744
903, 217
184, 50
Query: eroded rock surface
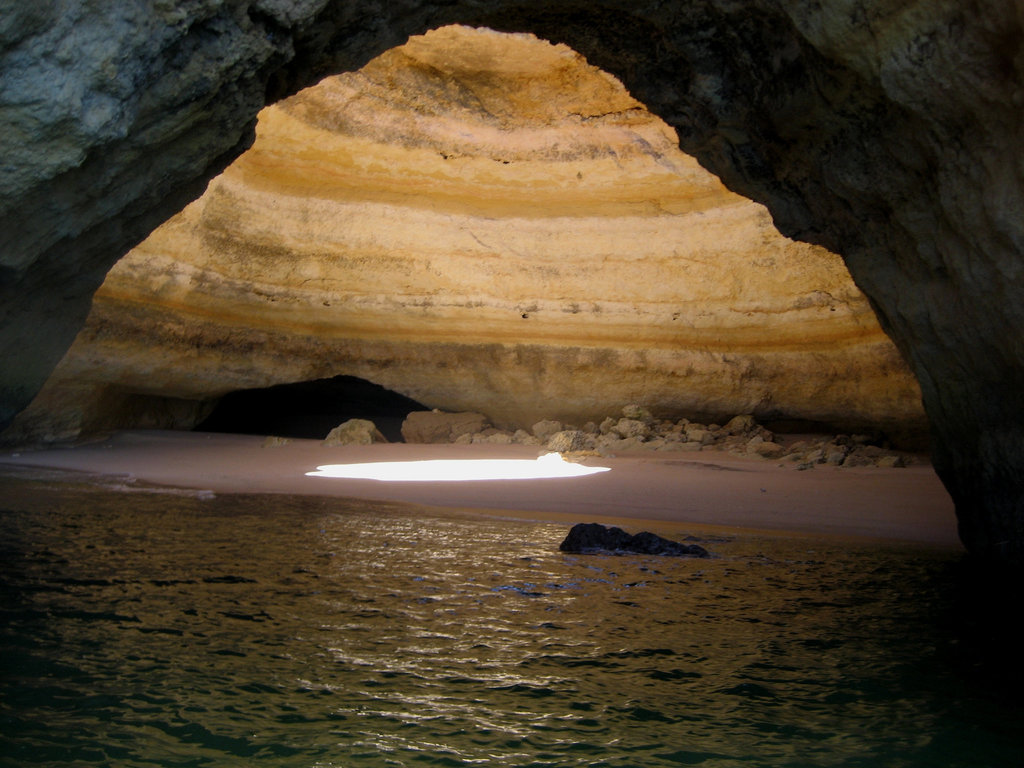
482, 222
355, 432
885, 131
441, 427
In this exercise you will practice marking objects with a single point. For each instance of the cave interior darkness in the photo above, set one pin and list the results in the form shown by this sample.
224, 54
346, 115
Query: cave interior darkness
310, 409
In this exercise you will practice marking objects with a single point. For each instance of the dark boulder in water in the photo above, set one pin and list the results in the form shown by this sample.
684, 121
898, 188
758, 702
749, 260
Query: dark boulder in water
591, 538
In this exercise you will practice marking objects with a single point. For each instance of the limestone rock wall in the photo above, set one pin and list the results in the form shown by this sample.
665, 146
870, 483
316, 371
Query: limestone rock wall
481, 222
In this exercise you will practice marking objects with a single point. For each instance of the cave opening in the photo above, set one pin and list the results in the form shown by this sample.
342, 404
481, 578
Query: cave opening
310, 409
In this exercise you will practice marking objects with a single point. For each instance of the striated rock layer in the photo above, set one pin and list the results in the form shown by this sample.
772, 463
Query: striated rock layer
885, 131
481, 222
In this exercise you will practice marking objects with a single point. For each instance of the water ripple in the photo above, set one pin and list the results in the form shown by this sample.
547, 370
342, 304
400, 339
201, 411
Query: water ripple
171, 630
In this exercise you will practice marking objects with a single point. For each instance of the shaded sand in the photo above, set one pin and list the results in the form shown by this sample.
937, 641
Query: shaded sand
700, 488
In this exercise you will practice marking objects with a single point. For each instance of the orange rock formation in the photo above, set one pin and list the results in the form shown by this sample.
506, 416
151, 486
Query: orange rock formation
481, 222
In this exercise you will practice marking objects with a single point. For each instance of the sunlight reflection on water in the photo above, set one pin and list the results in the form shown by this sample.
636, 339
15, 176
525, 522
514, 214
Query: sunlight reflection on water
151, 629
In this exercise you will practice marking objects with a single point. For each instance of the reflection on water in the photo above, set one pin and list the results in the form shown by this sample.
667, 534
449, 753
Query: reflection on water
172, 630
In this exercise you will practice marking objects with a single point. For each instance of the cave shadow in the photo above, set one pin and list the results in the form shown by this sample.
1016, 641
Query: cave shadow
310, 409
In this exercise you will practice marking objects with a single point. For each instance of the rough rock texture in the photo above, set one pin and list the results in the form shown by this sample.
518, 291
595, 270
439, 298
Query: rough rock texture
886, 131
355, 432
483, 222
594, 538
569, 441
742, 436
440, 427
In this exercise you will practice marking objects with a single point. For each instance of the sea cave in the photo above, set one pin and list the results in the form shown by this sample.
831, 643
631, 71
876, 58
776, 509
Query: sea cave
746, 237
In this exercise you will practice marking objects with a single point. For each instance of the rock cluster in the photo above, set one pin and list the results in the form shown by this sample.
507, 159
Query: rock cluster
594, 538
636, 429
439, 427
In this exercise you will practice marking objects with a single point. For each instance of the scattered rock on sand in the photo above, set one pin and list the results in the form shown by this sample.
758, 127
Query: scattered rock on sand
638, 413
522, 437
275, 442
740, 425
441, 427
631, 428
545, 428
637, 430
492, 436
593, 538
569, 441
355, 432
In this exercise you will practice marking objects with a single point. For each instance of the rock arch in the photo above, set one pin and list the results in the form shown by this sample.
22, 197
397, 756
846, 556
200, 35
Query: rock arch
485, 222
885, 132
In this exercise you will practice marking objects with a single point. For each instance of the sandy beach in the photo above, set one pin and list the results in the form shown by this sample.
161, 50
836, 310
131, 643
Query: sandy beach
706, 489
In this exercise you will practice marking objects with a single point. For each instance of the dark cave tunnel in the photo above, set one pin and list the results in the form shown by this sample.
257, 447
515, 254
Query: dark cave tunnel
310, 409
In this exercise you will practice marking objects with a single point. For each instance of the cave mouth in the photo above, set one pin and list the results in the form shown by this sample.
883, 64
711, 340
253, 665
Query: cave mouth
310, 409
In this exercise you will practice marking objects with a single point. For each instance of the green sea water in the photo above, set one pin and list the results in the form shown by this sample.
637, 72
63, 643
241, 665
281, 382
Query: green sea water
144, 628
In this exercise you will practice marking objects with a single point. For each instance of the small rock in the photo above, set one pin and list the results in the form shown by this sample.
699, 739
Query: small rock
695, 433
638, 413
441, 427
493, 437
764, 448
857, 460
545, 428
816, 456
835, 455
570, 440
740, 425
799, 447
631, 428
355, 432
522, 437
